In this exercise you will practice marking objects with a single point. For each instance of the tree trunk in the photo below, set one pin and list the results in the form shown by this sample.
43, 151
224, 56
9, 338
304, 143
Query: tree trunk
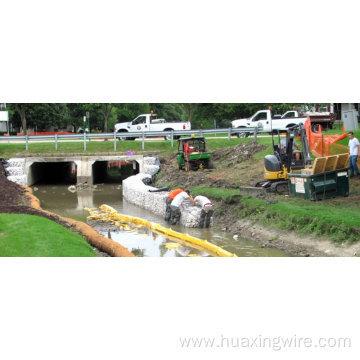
106, 114
21, 109
189, 110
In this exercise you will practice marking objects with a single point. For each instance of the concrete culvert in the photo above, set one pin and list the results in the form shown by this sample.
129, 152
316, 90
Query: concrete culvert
52, 173
113, 171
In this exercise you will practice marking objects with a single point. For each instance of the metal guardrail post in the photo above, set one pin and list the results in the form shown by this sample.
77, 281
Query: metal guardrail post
27, 142
56, 142
172, 139
114, 141
229, 134
84, 140
143, 141
255, 135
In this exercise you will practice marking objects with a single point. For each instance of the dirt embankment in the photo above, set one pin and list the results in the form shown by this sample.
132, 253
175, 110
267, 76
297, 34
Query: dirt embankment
229, 163
16, 199
234, 167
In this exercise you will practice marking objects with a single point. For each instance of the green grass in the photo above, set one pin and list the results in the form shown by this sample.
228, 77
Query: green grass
214, 192
339, 223
30, 235
162, 147
11, 150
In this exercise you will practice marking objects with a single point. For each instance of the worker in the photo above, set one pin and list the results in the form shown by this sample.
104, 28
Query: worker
175, 205
296, 152
168, 201
283, 144
297, 155
354, 153
187, 148
206, 210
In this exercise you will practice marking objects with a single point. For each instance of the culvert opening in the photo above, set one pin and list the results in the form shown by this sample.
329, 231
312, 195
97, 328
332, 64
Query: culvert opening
53, 172
113, 171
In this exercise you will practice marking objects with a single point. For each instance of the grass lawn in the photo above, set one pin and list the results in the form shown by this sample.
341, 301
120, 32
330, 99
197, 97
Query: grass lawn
338, 221
218, 193
162, 147
30, 235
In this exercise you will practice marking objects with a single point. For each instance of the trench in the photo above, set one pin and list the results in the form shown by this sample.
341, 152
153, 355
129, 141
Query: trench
58, 199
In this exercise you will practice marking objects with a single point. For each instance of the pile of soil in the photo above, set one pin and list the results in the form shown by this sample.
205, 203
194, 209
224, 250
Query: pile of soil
12, 196
239, 153
227, 165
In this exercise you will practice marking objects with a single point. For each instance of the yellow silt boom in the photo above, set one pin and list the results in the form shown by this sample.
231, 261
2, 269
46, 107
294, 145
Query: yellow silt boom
186, 239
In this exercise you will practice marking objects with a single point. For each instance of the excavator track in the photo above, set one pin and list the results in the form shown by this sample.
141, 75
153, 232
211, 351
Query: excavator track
281, 187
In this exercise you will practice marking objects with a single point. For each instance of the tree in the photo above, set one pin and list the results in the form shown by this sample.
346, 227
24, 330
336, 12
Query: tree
168, 111
189, 110
128, 111
21, 110
106, 111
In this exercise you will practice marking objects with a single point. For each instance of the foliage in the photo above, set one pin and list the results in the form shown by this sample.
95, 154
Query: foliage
44, 116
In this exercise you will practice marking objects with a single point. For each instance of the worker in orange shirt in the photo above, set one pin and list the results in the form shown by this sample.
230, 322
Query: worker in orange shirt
168, 201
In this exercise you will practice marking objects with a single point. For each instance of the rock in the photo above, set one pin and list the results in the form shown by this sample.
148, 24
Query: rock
14, 169
21, 179
136, 191
72, 188
235, 237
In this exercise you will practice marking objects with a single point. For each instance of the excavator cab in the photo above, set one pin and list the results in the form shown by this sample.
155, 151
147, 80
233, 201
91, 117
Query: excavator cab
287, 158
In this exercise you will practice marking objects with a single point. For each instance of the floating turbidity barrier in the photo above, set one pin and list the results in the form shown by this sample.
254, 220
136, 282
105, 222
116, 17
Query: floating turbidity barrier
109, 214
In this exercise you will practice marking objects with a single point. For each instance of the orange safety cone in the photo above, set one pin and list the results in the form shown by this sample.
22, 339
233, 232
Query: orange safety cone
343, 128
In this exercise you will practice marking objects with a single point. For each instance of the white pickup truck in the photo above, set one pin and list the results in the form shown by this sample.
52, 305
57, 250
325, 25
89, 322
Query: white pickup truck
264, 122
150, 122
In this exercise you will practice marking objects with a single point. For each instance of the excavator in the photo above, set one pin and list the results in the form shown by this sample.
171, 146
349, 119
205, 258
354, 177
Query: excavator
285, 160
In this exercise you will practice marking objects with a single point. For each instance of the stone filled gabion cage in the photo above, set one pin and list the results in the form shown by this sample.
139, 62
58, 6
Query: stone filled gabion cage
15, 170
136, 191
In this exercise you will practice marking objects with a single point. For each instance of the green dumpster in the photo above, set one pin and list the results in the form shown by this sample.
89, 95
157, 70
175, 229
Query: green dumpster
325, 185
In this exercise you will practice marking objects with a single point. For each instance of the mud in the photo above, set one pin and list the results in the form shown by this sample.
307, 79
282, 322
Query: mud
227, 162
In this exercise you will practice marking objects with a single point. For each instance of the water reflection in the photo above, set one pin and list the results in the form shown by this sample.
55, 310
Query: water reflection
63, 202
145, 242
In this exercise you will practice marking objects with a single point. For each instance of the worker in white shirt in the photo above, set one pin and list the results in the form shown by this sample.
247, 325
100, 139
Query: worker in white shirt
175, 205
354, 153
206, 210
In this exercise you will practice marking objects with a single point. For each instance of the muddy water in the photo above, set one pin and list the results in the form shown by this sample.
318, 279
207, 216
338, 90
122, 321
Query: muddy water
58, 199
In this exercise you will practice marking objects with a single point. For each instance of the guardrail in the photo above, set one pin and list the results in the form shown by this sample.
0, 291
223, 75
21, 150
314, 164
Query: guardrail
170, 135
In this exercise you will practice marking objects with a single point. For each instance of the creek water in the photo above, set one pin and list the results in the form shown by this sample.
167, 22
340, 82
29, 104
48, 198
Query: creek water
58, 199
